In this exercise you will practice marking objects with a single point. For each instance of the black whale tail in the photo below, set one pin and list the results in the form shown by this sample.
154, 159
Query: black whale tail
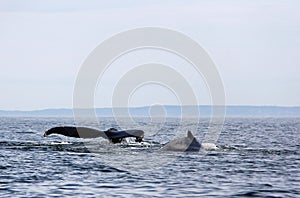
111, 134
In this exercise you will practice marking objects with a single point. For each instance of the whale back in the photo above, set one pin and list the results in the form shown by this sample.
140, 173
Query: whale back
185, 144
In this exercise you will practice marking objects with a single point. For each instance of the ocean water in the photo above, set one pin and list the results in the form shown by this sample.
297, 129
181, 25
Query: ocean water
256, 157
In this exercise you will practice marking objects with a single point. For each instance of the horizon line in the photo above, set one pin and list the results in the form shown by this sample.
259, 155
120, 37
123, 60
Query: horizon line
147, 106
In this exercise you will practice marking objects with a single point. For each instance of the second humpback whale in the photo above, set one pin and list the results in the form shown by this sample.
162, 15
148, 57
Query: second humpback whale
112, 134
189, 143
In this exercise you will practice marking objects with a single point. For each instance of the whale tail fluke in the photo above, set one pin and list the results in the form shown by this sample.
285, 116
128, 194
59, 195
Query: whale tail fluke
112, 134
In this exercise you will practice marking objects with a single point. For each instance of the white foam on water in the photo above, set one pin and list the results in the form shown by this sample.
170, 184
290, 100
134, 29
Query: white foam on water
137, 144
209, 146
60, 143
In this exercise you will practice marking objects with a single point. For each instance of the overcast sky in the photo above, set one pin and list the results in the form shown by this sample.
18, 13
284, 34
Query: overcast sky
254, 44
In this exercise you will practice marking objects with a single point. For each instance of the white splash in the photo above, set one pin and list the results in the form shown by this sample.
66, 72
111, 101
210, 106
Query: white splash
209, 146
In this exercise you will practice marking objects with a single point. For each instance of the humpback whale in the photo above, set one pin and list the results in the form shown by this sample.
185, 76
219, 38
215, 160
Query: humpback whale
112, 134
185, 144
189, 143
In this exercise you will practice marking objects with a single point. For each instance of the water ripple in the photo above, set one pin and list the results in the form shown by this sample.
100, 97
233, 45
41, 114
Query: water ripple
256, 157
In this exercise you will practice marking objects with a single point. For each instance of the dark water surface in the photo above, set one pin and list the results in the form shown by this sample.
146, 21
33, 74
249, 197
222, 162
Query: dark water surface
256, 157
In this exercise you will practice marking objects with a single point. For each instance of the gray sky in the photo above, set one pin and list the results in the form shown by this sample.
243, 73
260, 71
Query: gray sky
255, 45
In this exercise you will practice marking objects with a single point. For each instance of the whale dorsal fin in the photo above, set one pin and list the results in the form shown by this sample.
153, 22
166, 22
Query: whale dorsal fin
190, 135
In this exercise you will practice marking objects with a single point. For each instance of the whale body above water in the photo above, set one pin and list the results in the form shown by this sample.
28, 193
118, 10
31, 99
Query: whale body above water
189, 143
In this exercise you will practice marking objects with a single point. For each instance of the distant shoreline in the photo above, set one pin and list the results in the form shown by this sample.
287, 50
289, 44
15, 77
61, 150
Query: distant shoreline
164, 111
